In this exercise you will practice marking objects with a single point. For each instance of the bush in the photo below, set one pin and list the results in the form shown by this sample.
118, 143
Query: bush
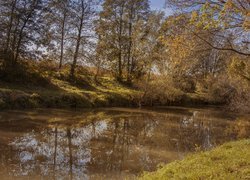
216, 90
160, 91
239, 72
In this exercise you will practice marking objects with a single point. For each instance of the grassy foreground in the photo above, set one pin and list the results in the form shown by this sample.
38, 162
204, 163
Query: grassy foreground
230, 161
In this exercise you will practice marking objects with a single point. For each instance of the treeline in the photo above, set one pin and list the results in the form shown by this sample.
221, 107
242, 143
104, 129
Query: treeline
39, 29
111, 34
202, 49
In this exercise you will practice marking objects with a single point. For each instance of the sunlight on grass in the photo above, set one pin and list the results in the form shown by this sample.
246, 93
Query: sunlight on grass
62, 93
229, 161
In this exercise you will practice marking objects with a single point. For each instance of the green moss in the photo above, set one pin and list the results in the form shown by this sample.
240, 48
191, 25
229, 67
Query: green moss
229, 161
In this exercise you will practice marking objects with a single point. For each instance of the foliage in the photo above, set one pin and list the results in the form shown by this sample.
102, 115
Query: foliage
227, 20
127, 37
216, 89
160, 91
198, 54
239, 73
217, 72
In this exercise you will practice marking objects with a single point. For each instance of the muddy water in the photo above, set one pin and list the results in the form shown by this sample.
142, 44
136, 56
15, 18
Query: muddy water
108, 143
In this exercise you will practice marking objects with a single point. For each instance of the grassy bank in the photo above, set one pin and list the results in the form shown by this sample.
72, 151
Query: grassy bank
229, 161
65, 95
43, 85
32, 86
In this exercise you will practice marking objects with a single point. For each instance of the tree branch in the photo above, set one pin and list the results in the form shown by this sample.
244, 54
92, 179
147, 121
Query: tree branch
221, 48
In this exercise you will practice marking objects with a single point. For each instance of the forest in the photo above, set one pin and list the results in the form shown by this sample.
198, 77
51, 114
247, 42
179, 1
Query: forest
104, 49
118, 89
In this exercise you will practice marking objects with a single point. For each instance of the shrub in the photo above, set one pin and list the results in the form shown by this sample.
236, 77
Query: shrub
160, 91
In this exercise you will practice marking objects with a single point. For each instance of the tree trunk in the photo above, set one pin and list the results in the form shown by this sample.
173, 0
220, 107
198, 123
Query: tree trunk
129, 46
10, 26
73, 66
97, 71
119, 78
78, 41
129, 54
62, 39
20, 37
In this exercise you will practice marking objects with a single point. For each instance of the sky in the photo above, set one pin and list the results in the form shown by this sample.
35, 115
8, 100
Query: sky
159, 5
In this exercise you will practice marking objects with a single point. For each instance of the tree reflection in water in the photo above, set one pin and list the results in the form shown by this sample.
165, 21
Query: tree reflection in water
58, 151
116, 144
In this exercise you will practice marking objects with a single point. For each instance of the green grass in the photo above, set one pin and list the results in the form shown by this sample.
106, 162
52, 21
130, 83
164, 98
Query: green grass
230, 161
42, 85
61, 93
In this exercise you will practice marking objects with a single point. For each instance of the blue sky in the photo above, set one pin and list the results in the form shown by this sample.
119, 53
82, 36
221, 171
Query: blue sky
159, 5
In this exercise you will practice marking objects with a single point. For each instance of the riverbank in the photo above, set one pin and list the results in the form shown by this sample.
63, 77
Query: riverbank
63, 94
229, 161
107, 92
38, 85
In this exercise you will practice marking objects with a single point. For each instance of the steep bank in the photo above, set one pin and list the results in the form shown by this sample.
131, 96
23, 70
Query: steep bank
59, 93
64, 95
229, 161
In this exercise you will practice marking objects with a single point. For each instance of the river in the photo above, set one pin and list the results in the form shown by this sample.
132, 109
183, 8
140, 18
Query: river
112, 143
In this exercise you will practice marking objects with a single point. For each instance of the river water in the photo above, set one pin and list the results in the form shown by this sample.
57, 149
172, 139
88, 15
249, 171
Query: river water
114, 143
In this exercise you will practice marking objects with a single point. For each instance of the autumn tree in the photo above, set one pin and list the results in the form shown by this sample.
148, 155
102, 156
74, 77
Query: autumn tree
111, 32
22, 27
137, 15
227, 20
116, 29
58, 19
83, 13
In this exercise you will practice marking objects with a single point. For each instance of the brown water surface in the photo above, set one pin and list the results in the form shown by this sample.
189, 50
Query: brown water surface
111, 143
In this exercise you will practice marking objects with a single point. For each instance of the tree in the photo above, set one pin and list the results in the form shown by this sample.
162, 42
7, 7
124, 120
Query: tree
111, 32
137, 12
116, 29
227, 20
22, 27
147, 47
83, 14
10, 25
59, 11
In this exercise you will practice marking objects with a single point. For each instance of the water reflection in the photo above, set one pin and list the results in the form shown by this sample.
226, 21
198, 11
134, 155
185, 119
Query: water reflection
116, 143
